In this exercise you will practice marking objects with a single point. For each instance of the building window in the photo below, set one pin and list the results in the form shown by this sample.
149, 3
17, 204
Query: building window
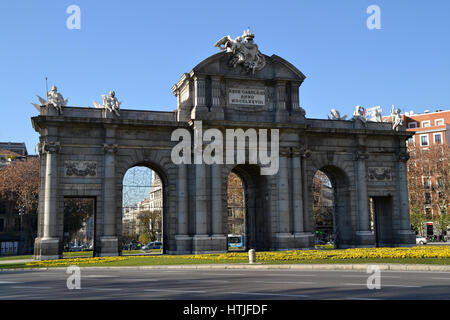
427, 198
412, 125
426, 124
2, 224
426, 182
410, 140
424, 140
437, 138
439, 122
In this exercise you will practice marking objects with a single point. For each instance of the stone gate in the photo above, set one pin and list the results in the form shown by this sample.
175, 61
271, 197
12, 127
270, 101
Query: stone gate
85, 152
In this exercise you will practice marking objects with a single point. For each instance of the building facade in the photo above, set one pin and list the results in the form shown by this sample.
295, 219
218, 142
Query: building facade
428, 168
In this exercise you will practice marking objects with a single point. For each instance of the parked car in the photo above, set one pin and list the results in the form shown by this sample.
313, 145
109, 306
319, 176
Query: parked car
421, 240
156, 245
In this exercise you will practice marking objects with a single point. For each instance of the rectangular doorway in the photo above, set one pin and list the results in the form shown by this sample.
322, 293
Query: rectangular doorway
79, 226
381, 210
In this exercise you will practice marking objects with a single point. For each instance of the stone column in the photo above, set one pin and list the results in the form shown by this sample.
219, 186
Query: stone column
200, 110
364, 235
183, 240
407, 236
305, 154
284, 235
219, 239
217, 210
283, 192
305, 239
216, 109
182, 200
50, 241
281, 111
201, 239
363, 201
297, 193
109, 241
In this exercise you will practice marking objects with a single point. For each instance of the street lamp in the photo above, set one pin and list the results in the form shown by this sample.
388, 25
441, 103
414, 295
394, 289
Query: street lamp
21, 244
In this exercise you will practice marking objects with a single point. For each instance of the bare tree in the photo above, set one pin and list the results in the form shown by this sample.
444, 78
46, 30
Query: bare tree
429, 185
19, 182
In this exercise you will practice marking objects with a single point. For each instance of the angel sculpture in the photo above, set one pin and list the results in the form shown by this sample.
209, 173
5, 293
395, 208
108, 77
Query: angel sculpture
376, 116
244, 53
397, 120
54, 98
359, 114
110, 103
335, 115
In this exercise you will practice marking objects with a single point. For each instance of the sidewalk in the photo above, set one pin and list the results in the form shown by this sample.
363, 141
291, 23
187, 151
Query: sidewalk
15, 261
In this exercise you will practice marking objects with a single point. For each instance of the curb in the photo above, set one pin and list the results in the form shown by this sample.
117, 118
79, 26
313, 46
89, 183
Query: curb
386, 267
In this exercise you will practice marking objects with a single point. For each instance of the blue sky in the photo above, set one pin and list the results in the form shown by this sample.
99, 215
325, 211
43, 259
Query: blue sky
141, 48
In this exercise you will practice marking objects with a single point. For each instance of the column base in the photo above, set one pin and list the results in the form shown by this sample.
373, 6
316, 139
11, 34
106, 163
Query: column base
183, 244
209, 244
406, 238
46, 249
365, 239
285, 241
108, 247
304, 240
200, 113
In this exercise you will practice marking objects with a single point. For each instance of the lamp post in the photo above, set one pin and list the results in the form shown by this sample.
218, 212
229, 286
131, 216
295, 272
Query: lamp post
21, 244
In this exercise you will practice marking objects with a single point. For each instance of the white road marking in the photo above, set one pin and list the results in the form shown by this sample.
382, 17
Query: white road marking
293, 275
99, 276
283, 282
100, 289
441, 278
8, 282
366, 276
361, 299
382, 285
30, 287
224, 274
270, 294
174, 290
203, 280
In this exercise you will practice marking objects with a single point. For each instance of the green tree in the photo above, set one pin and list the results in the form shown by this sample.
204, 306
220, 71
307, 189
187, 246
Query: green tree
418, 219
441, 222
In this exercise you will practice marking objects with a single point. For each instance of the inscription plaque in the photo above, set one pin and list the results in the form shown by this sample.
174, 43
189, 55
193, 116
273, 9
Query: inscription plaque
249, 97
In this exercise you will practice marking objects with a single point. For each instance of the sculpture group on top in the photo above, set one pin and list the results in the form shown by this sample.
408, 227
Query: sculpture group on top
55, 99
361, 114
110, 103
243, 53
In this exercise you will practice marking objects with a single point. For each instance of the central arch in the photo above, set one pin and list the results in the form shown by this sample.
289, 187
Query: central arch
343, 233
154, 200
256, 211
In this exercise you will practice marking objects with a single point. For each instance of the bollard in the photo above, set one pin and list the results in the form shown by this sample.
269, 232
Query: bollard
251, 256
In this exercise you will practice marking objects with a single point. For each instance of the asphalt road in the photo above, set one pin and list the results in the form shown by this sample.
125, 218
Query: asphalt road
177, 284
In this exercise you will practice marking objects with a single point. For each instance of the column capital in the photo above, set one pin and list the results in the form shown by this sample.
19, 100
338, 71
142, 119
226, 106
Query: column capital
51, 147
305, 153
110, 148
285, 152
361, 155
296, 152
403, 156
